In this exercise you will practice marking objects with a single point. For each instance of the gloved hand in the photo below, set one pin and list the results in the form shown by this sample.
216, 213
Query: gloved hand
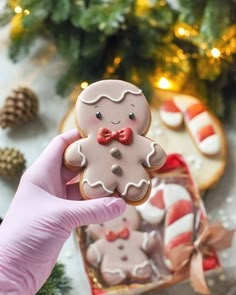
41, 217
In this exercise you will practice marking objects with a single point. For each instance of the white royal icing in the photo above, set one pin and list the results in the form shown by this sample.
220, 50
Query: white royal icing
198, 122
96, 183
111, 98
142, 265
82, 155
210, 145
97, 253
114, 271
139, 184
150, 213
182, 225
173, 193
145, 241
171, 119
151, 153
184, 101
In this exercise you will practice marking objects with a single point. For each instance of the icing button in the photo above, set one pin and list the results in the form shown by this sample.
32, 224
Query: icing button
116, 169
121, 247
124, 258
115, 152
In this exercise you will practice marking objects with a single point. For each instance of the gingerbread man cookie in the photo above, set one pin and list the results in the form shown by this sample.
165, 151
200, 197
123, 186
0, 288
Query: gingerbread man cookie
113, 155
120, 252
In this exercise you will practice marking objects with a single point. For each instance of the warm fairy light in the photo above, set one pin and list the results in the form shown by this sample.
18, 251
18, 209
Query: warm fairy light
162, 3
163, 83
18, 9
184, 31
117, 60
84, 84
181, 31
175, 59
135, 78
26, 12
110, 70
215, 52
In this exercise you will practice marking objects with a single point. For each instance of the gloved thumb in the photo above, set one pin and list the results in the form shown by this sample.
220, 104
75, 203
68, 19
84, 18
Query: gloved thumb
85, 212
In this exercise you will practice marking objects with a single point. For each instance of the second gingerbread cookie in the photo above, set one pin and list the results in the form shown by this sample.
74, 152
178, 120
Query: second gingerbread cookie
113, 154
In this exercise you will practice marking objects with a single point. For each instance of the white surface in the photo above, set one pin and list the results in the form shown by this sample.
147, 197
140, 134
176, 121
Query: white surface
39, 72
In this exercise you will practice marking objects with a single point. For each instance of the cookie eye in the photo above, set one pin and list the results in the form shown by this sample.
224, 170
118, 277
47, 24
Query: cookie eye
98, 115
101, 224
131, 116
124, 219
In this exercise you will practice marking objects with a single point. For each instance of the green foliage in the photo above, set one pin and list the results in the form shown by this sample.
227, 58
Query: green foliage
216, 19
57, 283
6, 16
134, 40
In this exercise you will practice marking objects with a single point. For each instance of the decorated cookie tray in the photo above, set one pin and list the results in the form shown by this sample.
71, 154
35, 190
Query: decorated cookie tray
157, 244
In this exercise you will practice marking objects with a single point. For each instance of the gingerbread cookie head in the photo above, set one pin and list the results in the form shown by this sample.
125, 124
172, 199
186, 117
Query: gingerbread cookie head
130, 220
113, 104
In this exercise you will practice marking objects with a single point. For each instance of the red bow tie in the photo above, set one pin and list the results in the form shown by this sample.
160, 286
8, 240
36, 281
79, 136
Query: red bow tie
124, 135
112, 236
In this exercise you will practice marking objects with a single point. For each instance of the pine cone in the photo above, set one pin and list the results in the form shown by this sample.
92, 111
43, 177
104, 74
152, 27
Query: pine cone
20, 107
12, 163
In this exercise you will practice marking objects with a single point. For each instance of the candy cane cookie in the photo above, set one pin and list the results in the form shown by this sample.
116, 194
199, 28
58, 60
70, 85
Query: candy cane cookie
173, 203
197, 119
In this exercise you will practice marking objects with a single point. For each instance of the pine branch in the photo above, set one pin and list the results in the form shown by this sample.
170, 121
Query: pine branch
57, 283
133, 40
216, 19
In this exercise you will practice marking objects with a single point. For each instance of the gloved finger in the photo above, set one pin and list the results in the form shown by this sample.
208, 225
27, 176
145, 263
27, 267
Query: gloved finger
51, 157
73, 192
67, 175
86, 212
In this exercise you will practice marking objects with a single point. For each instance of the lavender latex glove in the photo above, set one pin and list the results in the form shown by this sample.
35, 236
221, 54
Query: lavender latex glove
41, 217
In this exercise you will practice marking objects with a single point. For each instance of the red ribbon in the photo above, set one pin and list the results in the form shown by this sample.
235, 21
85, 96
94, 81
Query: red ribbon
112, 236
124, 135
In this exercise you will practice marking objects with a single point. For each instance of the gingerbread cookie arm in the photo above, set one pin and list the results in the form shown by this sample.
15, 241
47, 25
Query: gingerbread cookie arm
155, 157
94, 253
74, 159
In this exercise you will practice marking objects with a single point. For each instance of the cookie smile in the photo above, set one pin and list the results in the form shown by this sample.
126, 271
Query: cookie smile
115, 122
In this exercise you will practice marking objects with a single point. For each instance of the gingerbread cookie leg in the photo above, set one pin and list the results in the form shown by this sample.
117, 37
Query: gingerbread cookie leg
113, 276
142, 272
93, 190
132, 190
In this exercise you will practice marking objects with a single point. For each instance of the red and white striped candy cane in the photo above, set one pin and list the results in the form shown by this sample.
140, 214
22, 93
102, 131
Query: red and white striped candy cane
173, 202
197, 119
